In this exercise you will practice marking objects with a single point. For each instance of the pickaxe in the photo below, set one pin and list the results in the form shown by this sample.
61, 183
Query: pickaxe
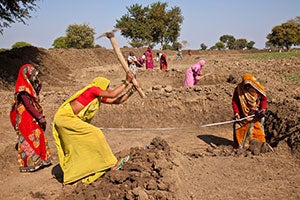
111, 36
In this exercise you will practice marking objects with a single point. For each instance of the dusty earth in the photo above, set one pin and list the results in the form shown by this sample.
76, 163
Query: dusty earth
171, 155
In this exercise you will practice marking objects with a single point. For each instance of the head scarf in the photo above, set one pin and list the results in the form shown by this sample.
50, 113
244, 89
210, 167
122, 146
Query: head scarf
201, 62
101, 82
149, 49
248, 91
28, 81
251, 80
198, 66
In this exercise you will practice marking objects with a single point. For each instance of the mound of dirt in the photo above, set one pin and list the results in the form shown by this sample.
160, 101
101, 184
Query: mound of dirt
145, 176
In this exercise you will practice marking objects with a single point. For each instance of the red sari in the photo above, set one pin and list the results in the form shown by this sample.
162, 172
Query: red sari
32, 145
163, 62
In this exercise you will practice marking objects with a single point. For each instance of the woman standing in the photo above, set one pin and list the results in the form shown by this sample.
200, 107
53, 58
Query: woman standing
149, 58
29, 122
83, 151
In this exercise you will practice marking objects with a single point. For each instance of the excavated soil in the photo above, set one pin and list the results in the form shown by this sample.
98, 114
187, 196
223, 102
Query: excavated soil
171, 155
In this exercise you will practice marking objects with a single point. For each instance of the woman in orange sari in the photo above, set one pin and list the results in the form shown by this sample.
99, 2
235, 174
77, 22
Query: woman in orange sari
249, 98
29, 121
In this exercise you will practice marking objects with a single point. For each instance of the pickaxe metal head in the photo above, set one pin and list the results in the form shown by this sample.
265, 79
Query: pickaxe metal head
108, 34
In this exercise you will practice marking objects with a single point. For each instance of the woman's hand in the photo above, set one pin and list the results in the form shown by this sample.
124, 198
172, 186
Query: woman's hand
42, 122
129, 77
237, 116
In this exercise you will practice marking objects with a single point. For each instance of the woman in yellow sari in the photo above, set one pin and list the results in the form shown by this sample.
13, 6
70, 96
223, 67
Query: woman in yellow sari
249, 98
83, 151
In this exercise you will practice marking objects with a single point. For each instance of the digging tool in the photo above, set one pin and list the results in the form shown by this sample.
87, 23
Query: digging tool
111, 36
228, 122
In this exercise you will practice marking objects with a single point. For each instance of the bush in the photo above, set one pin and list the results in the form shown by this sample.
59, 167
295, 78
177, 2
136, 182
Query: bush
20, 45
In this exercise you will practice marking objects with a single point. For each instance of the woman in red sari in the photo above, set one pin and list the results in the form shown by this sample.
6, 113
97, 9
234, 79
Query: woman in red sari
163, 62
29, 122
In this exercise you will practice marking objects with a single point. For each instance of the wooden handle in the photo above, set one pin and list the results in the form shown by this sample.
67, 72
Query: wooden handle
124, 64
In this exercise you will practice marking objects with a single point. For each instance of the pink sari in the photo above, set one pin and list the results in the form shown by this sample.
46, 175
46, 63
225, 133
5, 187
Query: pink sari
192, 74
149, 58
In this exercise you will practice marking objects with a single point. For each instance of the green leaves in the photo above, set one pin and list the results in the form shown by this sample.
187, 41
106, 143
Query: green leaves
14, 11
150, 25
80, 36
285, 35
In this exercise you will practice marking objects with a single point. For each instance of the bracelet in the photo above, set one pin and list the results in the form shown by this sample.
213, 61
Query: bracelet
125, 83
41, 117
129, 92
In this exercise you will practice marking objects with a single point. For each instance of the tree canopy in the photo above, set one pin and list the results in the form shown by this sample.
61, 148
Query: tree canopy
79, 36
60, 42
12, 11
232, 43
151, 25
285, 35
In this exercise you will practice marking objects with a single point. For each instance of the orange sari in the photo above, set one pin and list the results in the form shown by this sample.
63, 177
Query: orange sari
33, 150
249, 103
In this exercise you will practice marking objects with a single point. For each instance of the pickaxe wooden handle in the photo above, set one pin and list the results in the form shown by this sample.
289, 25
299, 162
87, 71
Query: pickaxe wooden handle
111, 37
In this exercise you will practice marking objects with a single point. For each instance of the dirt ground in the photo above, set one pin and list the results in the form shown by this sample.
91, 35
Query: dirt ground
171, 155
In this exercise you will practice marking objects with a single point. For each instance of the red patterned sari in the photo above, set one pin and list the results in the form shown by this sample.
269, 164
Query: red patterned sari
32, 146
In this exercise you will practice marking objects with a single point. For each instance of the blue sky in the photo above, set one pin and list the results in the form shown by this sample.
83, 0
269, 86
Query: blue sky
204, 20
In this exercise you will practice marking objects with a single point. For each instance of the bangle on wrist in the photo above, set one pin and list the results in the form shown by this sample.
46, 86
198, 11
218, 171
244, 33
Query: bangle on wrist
41, 117
125, 83
129, 92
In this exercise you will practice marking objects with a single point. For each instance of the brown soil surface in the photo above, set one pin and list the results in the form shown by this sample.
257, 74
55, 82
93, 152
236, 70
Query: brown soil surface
171, 155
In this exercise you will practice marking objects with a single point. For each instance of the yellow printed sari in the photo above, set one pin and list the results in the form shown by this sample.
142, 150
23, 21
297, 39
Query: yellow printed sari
83, 151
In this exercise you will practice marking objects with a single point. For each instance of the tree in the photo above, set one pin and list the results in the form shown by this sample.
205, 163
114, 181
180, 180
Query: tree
20, 45
80, 36
241, 43
184, 43
229, 40
285, 35
250, 45
203, 46
151, 25
176, 45
220, 45
296, 20
12, 11
60, 42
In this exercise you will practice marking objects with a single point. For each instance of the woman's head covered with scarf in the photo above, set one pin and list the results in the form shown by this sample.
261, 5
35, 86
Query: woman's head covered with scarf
201, 62
249, 80
101, 82
28, 81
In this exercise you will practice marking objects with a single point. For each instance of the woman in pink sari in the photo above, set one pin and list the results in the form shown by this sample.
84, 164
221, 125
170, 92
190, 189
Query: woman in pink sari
193, 74
149, 58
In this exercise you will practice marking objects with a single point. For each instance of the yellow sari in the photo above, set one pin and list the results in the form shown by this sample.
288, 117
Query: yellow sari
83, 151
249, 100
